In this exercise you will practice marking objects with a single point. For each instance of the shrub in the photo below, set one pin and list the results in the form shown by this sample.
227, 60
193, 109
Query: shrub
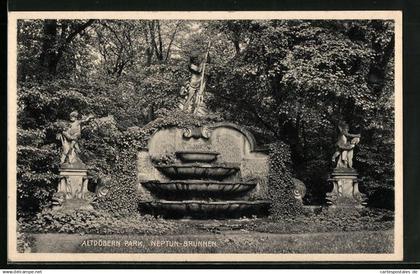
280, 184
94, 222
23, 240
327, 220
36, 172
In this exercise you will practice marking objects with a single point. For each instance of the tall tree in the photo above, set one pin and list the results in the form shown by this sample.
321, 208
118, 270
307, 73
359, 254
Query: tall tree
119, 44
57, 37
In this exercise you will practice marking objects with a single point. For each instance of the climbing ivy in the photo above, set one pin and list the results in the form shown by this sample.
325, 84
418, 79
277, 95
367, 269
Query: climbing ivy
123, 197
280, 184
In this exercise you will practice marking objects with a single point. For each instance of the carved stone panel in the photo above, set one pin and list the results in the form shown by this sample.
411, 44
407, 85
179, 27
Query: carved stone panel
163, 142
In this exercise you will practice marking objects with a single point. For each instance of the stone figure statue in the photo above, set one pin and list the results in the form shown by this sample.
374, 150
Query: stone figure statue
69, 139
343, 157
194, 90
299, 190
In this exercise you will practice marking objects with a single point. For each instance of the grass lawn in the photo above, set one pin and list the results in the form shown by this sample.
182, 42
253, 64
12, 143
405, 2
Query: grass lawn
226, 242
366, 231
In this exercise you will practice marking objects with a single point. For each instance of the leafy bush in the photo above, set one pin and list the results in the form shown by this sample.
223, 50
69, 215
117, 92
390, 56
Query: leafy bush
36, 172
280, 184
24, 242
95, 222
327, 220
102, 222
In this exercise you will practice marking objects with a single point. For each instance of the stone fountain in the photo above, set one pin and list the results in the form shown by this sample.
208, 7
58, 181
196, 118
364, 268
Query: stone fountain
215, 171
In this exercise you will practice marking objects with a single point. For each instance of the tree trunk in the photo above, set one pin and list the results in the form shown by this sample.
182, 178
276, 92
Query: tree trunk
49, 40
154, 45
236, 41
168, 51
149, 51
160, 42
52, 48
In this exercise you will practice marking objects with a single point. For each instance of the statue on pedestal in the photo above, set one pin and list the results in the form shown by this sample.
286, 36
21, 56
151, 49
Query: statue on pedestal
73, 186
345, 180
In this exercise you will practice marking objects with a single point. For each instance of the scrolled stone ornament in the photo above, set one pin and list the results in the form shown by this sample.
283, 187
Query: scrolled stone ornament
102, 186
187, 132
206, 132
65, 188
102, 191
332, 198
89, 196
196, 133
361, 198
299, 190
58, 199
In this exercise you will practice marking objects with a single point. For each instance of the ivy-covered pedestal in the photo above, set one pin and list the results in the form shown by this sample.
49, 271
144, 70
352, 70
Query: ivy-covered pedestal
345, 192
72, 192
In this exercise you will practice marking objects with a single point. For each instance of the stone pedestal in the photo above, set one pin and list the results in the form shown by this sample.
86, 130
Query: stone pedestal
72, 192
345, 192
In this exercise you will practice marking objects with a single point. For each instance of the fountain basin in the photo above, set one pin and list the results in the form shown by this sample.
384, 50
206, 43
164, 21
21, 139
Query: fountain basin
205, 209
198, 188
197, 156
198, 171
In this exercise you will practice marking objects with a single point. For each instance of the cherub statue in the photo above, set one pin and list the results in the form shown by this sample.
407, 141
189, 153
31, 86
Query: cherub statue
344, 153
69, 138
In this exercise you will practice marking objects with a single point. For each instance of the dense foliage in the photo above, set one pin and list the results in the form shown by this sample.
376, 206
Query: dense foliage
280, 184
328, 221
99, 222
95, 222
289, 81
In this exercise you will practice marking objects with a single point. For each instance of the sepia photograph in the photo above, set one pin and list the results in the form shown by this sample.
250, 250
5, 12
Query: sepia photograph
205, 136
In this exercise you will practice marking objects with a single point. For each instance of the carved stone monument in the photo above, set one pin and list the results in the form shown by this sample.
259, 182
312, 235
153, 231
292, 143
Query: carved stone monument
72, 189
299, 190
213, 171
344, 177
194, 90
